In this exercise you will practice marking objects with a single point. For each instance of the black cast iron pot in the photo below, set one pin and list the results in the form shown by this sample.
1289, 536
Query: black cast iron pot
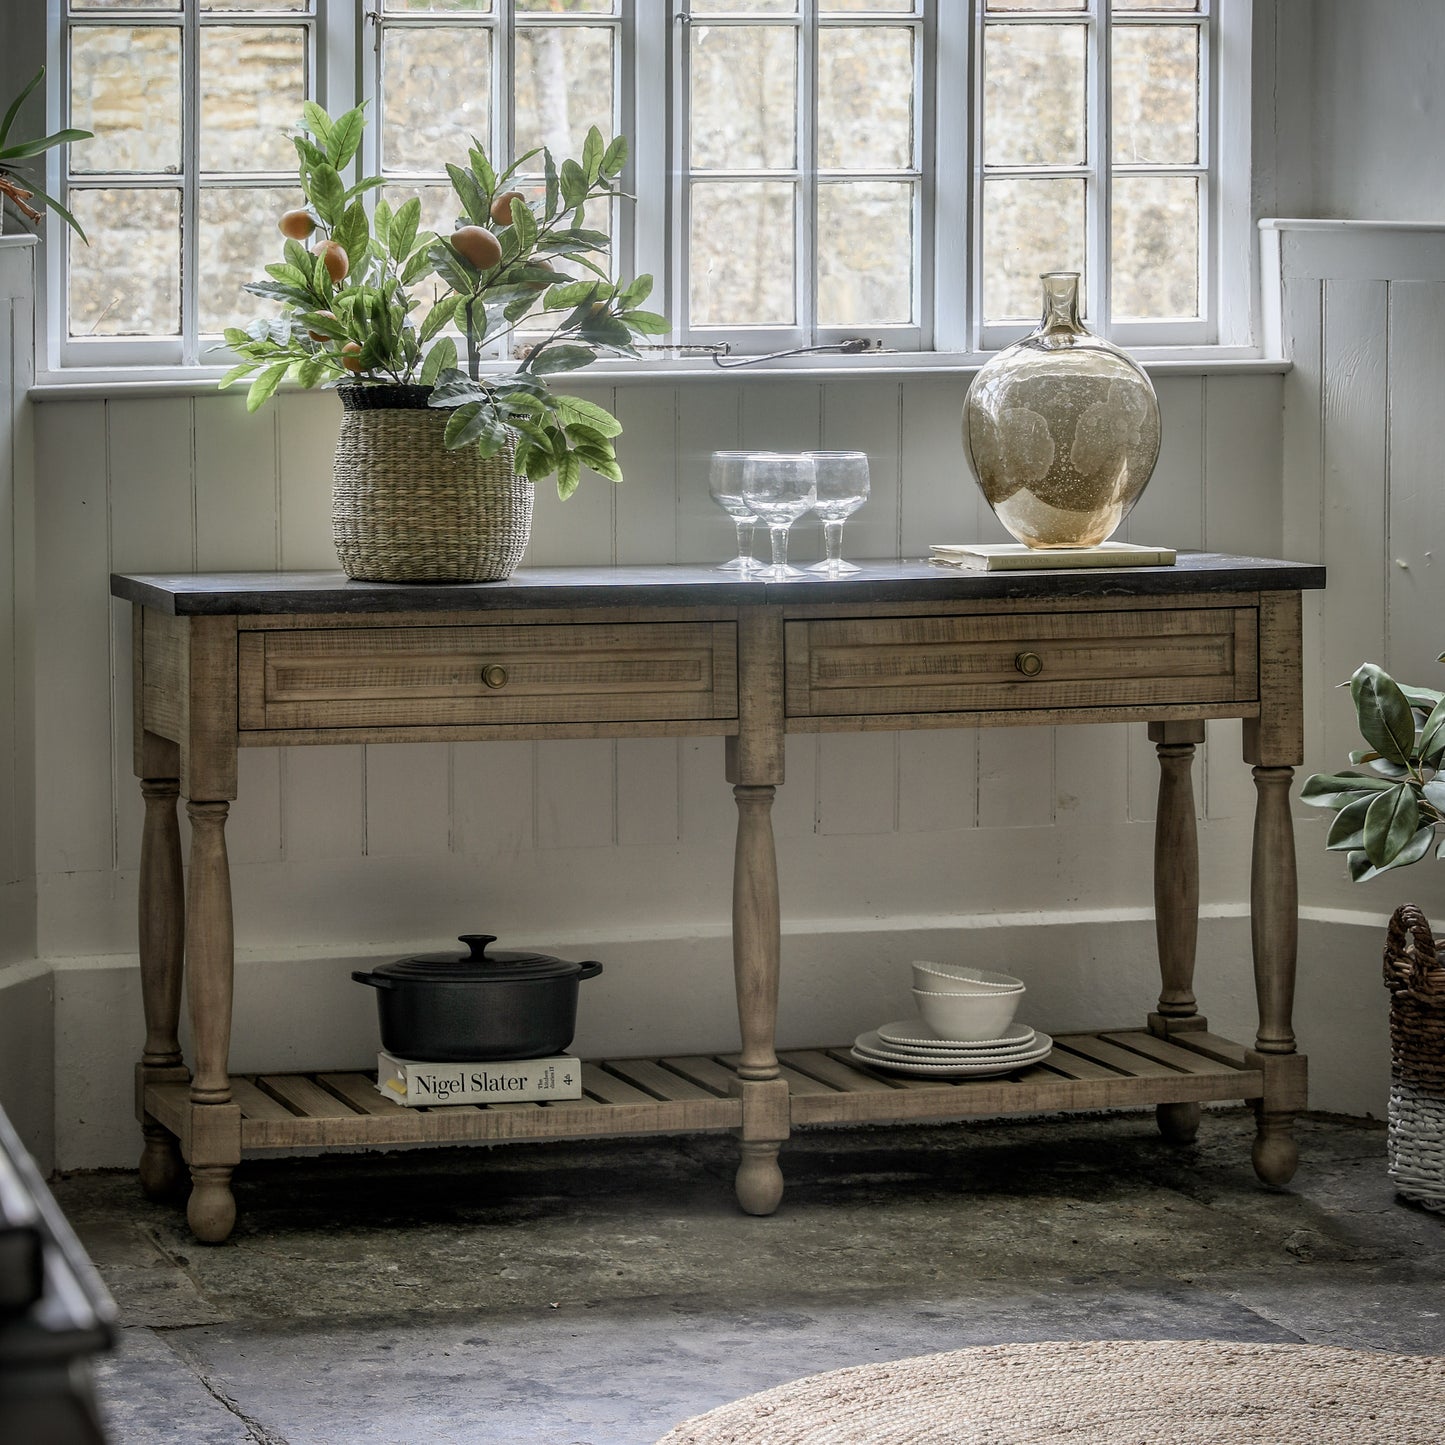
457, 1009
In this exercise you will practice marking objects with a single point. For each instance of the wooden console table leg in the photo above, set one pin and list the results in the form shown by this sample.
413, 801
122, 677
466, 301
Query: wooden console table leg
215, 1144
1274, 931
162, 931
756, 948
1176, 902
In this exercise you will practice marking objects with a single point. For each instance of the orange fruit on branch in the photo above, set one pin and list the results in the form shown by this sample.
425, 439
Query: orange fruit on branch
502, 207
338, 263
296, 225
351, 356
477, 245
321, 335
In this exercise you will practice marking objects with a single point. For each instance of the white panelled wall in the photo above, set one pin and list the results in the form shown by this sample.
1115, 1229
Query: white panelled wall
1028, 848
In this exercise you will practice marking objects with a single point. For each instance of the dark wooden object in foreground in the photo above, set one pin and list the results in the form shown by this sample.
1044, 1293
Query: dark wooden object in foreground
265, 659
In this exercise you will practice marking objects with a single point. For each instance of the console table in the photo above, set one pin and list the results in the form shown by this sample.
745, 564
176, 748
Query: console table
236, 660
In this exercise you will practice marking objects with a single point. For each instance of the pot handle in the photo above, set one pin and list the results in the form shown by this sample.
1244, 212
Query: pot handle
376, 980
590, 969
477, 942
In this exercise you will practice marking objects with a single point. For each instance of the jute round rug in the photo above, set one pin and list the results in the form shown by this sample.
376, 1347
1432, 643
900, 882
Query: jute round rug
1153, 1392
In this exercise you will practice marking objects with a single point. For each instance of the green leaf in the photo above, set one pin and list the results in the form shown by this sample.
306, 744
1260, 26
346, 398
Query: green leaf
17, 103
424, 260
49, 203
326, 325
572, 410
476, 422
1434, 792
569, 473
313, 370
592, 153
327, 192
574, 184
1334, 790
367, 183
318, 123
439, 316
519, 306
615, 156
592, 240
1390, 822
524, 224
353, 234
1384, 715
1424, 698
550, 185
381, 219
235, 338
559, 358
264, 386
603, 463
280, 291
635, 293
1432, 734
245, 368
452, 388
29, 148
403, 228
442, 357
647, 323
345, 137
473, 198
1362, 870
1347, 827
482, 169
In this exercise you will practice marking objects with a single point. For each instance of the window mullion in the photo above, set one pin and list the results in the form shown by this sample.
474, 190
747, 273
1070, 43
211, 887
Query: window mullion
190, 180
1099, 253
805, 279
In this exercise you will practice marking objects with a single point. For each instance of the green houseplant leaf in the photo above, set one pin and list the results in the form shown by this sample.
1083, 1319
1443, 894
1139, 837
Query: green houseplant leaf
1386, 721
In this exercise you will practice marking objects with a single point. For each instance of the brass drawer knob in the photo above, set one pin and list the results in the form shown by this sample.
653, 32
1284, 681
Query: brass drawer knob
494, 675
1029, 663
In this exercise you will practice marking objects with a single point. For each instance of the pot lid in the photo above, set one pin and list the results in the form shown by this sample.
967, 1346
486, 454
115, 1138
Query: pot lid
477, 965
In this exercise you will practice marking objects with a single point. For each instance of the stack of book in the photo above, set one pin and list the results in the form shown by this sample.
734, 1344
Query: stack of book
497, 1081
1015, 557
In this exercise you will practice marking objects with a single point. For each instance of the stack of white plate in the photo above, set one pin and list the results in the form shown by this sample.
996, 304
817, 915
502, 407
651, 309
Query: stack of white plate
911, 1047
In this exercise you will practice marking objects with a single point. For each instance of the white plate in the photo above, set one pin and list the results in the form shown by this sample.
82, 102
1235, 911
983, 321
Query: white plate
1010, 1058
916, 1034
871, 1043
976, 1070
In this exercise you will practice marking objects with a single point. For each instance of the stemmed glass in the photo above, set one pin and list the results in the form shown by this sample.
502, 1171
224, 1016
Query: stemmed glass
842, 489
725, 482
778, 488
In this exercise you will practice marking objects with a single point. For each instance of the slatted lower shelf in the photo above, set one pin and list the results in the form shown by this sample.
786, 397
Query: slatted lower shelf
1111, 1069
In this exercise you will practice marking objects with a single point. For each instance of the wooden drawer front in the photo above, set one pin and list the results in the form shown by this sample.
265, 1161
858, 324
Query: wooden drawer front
891, 665
434, 676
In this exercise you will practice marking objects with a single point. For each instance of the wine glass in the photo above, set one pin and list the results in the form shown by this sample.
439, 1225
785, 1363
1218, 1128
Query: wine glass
778, 488
725, 482
842, 489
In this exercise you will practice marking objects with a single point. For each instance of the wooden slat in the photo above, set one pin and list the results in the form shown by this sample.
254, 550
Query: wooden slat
1212, 1046
1074, 1066
662, 1083
307, 1096
255, 1104
1120, 1060
1166, 1053
801, 1083
820, 1065
610, 1090
360, 1092
715, 1077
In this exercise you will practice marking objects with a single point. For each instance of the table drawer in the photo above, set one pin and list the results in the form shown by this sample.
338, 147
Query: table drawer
899, 665
360, 677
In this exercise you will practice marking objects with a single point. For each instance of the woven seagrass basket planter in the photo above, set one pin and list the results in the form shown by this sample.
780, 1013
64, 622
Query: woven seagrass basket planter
405, 509
1416, 981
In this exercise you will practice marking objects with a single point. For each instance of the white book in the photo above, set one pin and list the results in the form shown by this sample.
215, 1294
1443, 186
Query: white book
1015, 557
496, 1081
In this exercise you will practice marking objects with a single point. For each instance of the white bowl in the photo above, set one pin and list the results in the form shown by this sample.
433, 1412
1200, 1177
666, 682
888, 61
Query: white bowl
960, 978
966, 1017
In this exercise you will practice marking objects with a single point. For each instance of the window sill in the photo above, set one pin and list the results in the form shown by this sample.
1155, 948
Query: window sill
91, 384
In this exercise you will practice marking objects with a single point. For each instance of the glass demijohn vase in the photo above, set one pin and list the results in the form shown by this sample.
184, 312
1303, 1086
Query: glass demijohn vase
1061, 429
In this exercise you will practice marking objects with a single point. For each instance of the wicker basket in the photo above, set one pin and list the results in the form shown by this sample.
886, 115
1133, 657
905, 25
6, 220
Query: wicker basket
1416, 982
405, 509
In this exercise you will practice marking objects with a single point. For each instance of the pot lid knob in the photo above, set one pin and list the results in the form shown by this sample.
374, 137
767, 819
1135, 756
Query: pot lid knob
477, 942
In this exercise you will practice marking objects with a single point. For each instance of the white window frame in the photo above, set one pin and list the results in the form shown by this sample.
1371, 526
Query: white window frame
650, 231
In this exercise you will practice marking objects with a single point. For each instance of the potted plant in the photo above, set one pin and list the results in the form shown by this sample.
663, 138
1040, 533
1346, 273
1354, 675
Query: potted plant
1386, 817
436, 463
17, 187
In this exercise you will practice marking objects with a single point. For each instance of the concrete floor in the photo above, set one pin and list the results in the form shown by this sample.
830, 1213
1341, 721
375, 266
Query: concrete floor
596, 1293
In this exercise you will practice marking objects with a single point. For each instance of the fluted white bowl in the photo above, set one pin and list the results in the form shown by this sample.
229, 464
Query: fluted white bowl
967, 1017
961, 978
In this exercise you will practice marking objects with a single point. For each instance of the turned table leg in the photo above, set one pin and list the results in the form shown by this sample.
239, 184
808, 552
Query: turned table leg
215, 1120
1274, 932
161, 946
1176, 903
756, 947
